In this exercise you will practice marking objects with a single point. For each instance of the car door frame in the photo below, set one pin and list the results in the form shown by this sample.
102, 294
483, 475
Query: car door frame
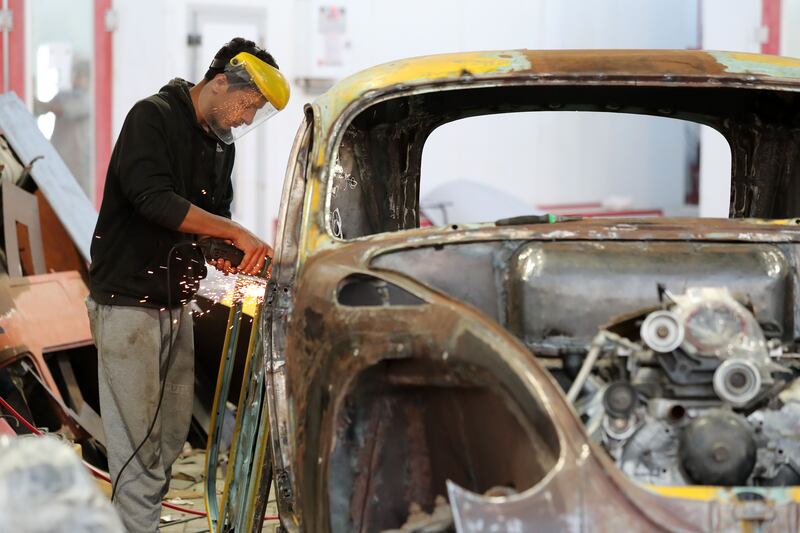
278, 308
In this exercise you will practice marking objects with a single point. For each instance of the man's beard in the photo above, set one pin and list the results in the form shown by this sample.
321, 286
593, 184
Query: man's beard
217, 127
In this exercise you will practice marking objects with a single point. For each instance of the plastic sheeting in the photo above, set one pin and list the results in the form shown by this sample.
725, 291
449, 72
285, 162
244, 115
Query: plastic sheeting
44, 487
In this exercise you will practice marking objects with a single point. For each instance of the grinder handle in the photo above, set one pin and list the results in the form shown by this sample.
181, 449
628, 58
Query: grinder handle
214, 249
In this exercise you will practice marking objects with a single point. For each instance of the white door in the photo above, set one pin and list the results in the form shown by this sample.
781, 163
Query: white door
210, 29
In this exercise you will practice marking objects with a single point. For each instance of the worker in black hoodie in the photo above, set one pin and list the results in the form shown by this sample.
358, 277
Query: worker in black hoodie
168, 184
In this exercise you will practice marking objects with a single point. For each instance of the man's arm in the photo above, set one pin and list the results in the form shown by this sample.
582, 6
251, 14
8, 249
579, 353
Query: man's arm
144, 162
201, 222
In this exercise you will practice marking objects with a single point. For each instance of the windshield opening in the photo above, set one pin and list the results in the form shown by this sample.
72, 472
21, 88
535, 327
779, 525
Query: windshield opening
473, 155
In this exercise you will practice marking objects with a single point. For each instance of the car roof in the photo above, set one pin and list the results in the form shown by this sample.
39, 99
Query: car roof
594, 67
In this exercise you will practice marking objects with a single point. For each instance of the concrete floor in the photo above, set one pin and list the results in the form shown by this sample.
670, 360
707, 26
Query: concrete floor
186, 490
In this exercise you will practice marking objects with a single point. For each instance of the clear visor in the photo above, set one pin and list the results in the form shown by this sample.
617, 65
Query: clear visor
234, 106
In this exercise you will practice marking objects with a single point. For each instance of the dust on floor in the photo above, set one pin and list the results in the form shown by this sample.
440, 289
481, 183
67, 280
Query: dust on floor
186, 490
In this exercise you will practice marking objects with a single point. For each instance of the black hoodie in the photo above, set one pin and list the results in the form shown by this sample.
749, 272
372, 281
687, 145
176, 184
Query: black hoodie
163, 161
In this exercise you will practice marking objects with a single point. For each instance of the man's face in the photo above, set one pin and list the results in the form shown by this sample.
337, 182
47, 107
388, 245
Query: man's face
235, 107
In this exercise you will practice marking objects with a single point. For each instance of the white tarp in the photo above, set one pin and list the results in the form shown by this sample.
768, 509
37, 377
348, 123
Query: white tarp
44, 487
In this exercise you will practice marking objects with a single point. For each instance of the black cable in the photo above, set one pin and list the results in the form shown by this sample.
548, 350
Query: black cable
164, 379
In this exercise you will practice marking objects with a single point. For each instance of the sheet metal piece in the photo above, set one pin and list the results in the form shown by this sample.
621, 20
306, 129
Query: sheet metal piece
21, 207
44, 314
578, 505
88, 417
576, 287
50, 173
237, 501
218, 413
259, 485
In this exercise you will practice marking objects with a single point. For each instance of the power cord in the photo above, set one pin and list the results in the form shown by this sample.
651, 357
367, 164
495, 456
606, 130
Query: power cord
115, 484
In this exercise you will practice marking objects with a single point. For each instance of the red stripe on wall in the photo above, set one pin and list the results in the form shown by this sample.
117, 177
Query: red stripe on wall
771, 20
102, 92
16, 46
16, 50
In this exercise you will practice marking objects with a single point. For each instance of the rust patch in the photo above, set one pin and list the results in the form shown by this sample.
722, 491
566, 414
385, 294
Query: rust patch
315, 324
632, 63
418, 469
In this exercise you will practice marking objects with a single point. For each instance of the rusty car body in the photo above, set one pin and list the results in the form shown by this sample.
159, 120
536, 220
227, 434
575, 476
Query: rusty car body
406, 364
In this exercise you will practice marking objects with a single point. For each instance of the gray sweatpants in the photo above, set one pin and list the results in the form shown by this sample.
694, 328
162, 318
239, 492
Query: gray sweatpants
132, 346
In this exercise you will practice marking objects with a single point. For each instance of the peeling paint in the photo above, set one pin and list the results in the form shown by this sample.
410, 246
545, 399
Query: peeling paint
743, 63
558, 235
419, 70
625, 227
779, 495
518, 62
764, 237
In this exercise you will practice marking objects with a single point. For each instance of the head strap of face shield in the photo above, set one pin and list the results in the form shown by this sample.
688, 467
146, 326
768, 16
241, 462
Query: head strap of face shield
218, 64
265, 78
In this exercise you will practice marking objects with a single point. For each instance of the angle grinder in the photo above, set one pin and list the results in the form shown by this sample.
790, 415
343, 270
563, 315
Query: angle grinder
214, 249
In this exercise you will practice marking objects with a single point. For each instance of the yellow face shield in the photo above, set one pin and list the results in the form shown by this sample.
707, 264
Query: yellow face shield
253, 92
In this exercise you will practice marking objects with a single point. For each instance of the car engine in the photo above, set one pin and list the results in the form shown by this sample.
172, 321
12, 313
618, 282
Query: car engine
695, 391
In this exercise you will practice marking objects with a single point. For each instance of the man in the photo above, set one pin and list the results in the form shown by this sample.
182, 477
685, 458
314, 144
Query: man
168, 183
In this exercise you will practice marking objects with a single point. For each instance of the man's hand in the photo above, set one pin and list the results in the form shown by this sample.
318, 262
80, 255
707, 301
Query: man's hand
222, 265
255, 252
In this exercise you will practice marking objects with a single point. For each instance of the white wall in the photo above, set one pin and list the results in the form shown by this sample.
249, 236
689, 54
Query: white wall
649, 167
790, 22
622, 161
68, 25
150, 48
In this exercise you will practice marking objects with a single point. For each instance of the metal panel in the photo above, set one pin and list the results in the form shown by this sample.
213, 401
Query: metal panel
21, 207
51, 174
88, 418
572, 288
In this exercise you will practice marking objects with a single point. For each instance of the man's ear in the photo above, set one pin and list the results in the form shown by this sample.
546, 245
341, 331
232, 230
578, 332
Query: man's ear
219, 83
